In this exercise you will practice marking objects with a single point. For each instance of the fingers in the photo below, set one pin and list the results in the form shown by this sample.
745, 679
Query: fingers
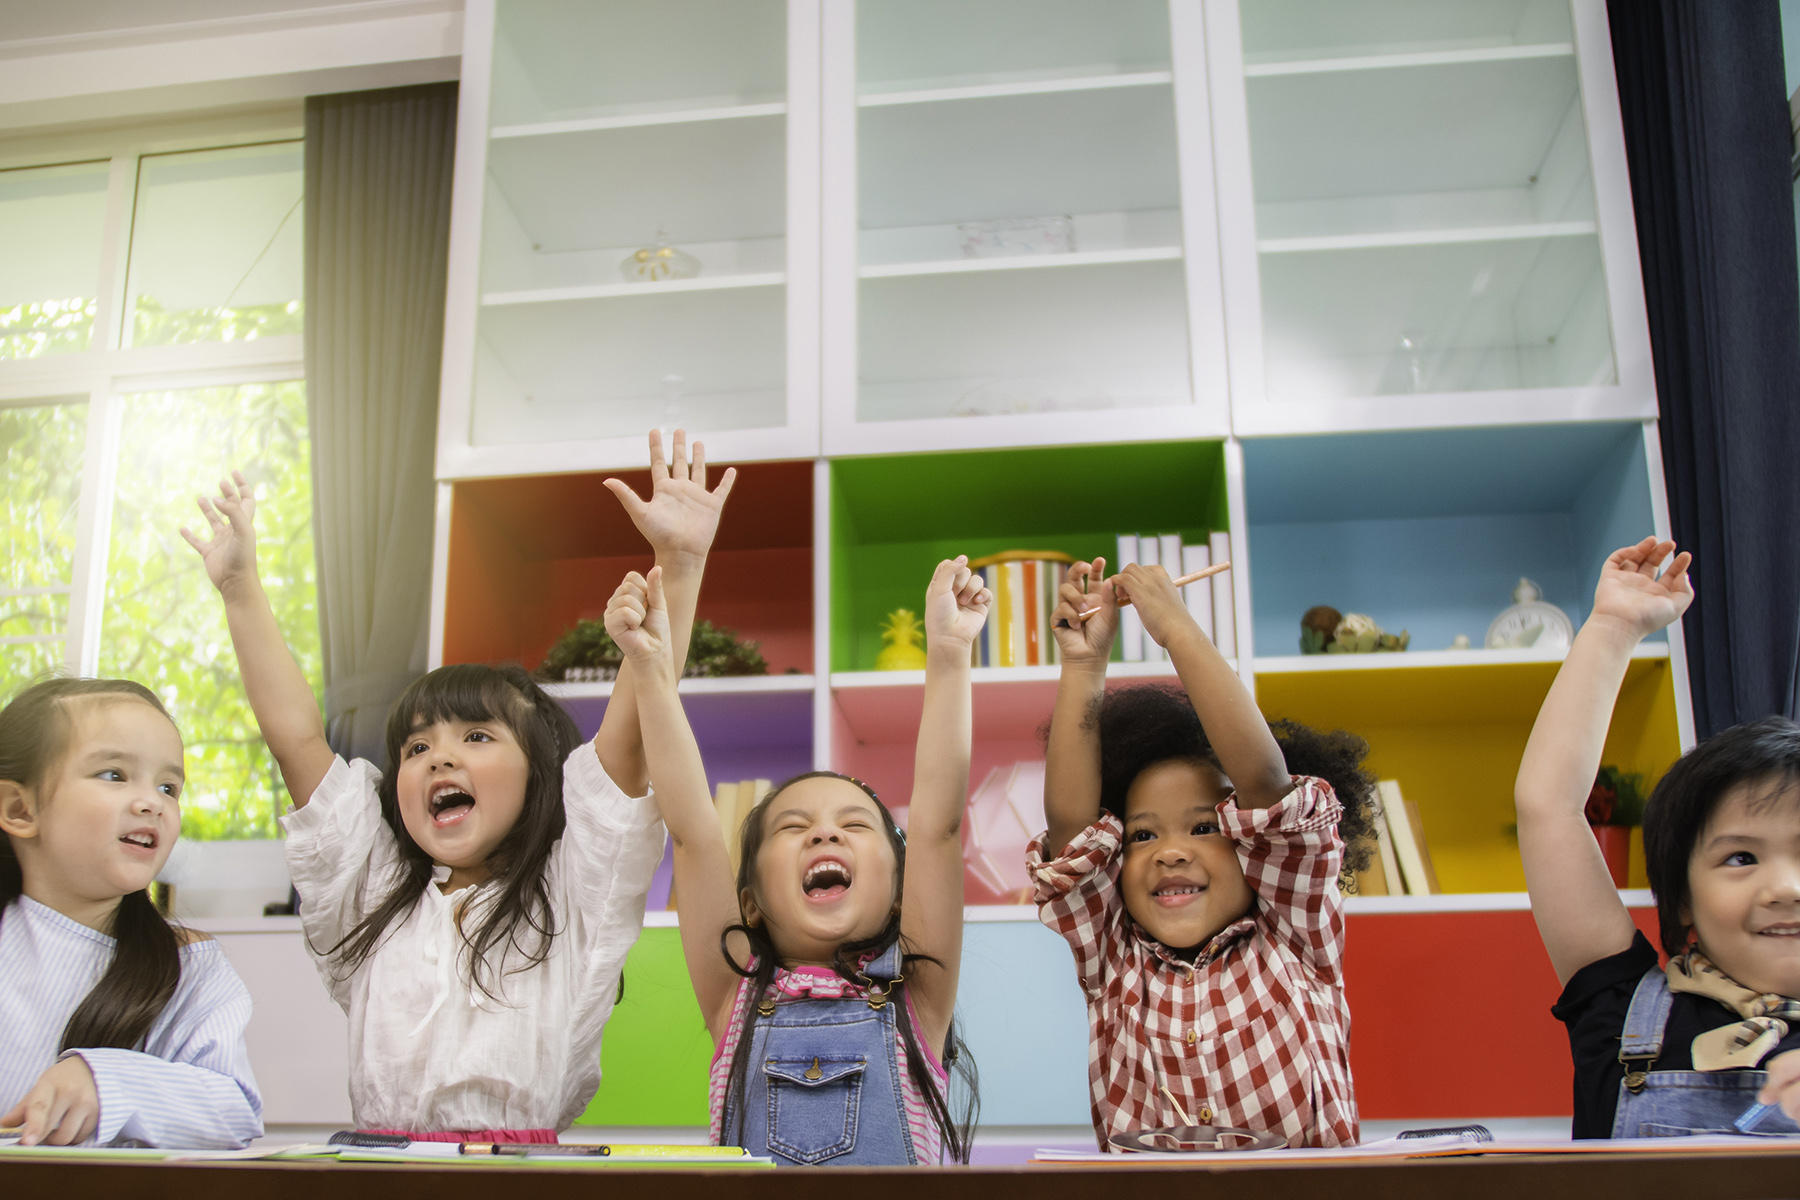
654, 590
1783, 1084
41, 1113
725, 482
630, 499
697, 472
659, 470
678, 464
1675, 578
944, 573
211, 513
200, 548
629, 604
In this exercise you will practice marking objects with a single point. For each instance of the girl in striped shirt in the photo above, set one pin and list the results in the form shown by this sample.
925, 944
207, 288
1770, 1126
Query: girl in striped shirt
115, 1027
829, 1001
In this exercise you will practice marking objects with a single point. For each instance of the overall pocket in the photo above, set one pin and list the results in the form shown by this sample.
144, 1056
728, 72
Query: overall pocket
813, 1105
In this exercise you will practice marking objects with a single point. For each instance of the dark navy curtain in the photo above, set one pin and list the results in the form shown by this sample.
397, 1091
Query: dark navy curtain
1703, 92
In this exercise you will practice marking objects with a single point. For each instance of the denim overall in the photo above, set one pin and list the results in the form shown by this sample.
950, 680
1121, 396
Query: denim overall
822, 1082
1676, 1103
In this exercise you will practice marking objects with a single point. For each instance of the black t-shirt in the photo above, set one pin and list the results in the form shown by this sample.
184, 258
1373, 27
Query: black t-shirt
1593, 1006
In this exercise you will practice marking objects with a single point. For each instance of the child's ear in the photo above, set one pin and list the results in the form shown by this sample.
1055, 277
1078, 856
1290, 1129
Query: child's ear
18, 810
748, 906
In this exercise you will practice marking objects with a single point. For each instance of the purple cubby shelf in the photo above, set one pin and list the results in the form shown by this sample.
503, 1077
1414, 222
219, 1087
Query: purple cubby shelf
754, 735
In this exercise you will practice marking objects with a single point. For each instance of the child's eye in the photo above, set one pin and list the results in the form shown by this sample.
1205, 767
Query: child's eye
171, 790
479, 735
1205, 828
111, 775
1140, 835
1743, 858
415, 748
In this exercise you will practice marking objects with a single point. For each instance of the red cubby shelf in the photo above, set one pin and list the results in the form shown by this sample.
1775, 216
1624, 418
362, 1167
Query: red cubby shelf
530, 556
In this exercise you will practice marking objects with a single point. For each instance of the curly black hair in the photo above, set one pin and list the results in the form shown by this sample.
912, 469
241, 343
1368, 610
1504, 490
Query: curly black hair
1151, 723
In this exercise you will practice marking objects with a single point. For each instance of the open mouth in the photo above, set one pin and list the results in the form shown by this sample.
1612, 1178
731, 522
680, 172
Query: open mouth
1176, 892
450, 804
1785, 930
826, 879
143, 839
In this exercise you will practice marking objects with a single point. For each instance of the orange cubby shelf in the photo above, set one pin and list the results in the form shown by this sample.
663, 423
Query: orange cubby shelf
530, 556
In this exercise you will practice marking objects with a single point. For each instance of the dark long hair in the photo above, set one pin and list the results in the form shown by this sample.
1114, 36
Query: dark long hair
1150, 723
146, 961
1684, 800
520, 919
956, 1129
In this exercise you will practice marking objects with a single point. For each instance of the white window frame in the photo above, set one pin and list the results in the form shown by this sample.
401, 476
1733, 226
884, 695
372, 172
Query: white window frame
105, 374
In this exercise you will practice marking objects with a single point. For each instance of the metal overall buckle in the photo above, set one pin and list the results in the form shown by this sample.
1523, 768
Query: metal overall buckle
878, 997
1637, 1071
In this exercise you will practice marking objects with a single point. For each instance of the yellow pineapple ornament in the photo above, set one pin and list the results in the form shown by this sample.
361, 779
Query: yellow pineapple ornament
905, 642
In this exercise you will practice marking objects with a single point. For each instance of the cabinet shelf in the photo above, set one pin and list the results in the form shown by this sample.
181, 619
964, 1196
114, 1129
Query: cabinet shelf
1031, 87
730, 685
679, 116
1422, 660
1425, 58
1019, 262
604, 291
1426, 237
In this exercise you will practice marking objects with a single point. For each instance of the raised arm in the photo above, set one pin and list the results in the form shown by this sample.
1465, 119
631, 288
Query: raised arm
1579, 913
679, 521
1072, 757
931, 917
1240, 737
286, 710
638, 620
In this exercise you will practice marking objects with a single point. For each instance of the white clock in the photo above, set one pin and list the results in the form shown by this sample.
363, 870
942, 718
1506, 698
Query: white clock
1530, 623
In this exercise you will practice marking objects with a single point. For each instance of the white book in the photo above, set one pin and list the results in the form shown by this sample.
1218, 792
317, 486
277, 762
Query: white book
1223, 605
1150, 555
1049, 575
1390, 862
1131, 626
1406, 847
1198, 595
1017, 602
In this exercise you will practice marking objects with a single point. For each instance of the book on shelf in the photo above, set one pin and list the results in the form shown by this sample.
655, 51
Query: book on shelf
1390, 862
733, 802
1023, 584
1370, 881
1209, 601
1400, 818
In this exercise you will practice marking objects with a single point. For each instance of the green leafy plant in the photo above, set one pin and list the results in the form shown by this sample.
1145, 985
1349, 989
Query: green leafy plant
1617, 798
713, 652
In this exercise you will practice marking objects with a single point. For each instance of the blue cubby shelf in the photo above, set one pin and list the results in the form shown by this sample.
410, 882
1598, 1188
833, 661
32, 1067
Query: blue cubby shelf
1429, 530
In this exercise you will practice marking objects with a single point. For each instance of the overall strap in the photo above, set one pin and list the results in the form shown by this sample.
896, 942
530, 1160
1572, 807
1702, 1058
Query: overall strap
884, 976
1641, 1039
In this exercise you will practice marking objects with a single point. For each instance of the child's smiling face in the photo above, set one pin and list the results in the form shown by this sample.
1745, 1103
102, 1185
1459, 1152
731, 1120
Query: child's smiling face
825, 872
1181, 877
461, 788
1744, 886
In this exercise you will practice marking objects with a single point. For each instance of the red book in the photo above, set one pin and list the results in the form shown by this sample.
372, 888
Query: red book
1034, 651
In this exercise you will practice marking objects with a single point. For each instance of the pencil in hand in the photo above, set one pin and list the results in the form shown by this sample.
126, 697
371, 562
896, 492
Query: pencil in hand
1196, 577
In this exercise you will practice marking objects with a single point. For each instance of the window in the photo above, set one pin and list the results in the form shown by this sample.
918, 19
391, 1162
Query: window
154, 280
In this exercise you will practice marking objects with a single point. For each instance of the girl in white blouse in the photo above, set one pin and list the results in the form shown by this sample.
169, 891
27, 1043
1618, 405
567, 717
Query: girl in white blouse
115, 1027
470, 906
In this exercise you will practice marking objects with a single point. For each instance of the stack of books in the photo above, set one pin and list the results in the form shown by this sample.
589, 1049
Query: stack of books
1209, 601
1402, 867
1024, 584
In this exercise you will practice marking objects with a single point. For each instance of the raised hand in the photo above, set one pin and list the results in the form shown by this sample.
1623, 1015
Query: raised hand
637, 618
1631, 593
229, 550
1157, 600
1087, 641
681, 516
956, 605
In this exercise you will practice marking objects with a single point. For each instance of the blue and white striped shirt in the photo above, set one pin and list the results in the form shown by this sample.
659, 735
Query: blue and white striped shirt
189, 1086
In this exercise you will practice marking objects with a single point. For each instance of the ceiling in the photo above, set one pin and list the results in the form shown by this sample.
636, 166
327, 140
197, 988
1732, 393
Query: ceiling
33, 20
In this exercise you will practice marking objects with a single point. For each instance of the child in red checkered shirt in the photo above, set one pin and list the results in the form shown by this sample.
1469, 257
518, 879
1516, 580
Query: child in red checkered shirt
1192, 863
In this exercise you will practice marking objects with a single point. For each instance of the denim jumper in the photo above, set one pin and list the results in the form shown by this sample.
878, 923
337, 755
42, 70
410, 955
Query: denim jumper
822, 1083
1677, 1103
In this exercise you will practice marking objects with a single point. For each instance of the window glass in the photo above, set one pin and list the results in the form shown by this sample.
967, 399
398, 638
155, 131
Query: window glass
164, 625
51, 223
40, 491
216, 245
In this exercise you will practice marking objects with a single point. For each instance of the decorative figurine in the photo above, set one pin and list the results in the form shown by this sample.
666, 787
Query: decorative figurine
1530, 623
652, 264
1324, 630
1318, 627
904, 636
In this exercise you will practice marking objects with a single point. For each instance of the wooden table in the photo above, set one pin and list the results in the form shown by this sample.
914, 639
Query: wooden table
1749, 1175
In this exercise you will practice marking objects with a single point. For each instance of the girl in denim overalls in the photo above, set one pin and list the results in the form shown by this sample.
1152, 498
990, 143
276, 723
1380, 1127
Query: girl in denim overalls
829, 1002
1691, 1047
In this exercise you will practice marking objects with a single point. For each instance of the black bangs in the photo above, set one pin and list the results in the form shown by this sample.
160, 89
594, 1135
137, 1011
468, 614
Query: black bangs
466, 692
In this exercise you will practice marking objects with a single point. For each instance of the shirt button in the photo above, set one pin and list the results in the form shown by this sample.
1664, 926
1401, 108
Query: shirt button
1205, 1115
1193, 1035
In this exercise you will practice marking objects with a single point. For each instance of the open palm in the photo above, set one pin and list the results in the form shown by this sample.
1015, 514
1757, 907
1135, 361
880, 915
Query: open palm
1631, 592
229, 550
681, 516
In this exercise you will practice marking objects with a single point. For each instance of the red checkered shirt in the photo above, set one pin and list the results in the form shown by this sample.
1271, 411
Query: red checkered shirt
1255, 1033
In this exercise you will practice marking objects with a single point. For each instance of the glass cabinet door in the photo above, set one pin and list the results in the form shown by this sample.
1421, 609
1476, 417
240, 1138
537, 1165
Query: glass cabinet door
1424, 198
634, 249
1018, 240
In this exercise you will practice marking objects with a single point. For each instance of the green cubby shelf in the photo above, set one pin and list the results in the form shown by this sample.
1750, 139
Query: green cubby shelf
894, 517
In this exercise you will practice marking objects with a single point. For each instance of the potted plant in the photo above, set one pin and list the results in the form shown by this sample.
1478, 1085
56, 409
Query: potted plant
1615, 803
